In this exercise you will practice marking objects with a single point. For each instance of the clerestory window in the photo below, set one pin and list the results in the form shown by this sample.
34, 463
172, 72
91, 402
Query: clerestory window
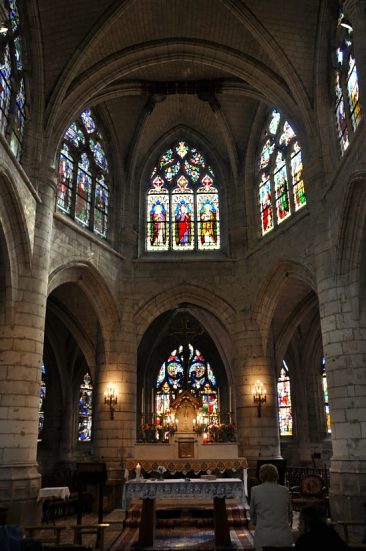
83, 175
182, 202
281, 188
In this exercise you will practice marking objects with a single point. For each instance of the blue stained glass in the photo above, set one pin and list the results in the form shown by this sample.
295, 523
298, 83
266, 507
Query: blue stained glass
161, 376
74, 135
99, 155
13, 15
18, 55
85, 409
171, 171
88, 121
5, 88
42, 399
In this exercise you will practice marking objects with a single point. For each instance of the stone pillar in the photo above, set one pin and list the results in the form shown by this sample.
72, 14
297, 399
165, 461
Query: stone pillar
344, 341
114, 433
259, 436
20, 374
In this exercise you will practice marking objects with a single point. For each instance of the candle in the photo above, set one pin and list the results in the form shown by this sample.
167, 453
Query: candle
138, 471
126, 474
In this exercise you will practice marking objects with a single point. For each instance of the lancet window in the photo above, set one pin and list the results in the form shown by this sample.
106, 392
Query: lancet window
347, 101
42, 398
182, 202
12, 87
325, 396
281, 188
284, 402
85, 409
83, 175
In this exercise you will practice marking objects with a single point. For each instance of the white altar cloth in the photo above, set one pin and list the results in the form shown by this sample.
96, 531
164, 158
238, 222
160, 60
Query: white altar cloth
196, 487
61, 492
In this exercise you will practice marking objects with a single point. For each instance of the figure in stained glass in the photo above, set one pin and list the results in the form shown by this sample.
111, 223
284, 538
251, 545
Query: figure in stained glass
183, 224
12, 86
347, 101
85, 409
182, 221
208, 223
83, 193
158, 218
284, 402
281, 187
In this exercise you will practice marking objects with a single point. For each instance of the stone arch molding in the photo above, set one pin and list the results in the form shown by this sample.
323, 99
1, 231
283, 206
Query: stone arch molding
267, 299
215, 314
87, 86
95, 288
183, 293
17, 221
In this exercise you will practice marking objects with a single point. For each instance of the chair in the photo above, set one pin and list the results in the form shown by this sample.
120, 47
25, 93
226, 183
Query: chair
311, 491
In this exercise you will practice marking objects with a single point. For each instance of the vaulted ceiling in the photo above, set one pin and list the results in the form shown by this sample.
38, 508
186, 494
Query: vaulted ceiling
152, 65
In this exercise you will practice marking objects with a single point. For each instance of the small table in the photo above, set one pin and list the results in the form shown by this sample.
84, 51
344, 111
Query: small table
53, 493
218, 489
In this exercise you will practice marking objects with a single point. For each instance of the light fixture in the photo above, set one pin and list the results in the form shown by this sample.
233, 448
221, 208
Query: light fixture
346, 24
3, 28
110, 398
259, 396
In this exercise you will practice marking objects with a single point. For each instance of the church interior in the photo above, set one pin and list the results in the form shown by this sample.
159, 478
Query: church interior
182, 241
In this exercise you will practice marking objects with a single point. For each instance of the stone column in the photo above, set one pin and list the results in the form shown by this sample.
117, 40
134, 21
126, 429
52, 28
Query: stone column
20, 374
114, 433
344, 341
259, 436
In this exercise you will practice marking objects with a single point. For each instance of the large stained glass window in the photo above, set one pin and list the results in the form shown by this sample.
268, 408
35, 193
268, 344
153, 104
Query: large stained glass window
85, 409
83, 175
182, 207
325, 396
347, 101
186, 370
42, 398
12, 88
284, 402
281, 188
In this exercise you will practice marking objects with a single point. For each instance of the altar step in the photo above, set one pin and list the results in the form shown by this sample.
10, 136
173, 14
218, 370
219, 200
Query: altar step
169, 516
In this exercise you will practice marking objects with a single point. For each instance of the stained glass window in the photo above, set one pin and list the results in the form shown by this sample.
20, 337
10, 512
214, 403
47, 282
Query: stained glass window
284, 402
347, 101
83, 175
281, 188
182, 209
85, 409
42, 398
186, 369
325, 396
12, 88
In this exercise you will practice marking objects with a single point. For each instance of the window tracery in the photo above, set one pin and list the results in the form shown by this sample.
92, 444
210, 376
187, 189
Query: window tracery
182, 206
347, 101
83, 175
280, 173
12, 88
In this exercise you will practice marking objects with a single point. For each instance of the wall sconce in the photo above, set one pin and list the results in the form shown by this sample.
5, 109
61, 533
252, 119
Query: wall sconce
110, 398
259, 396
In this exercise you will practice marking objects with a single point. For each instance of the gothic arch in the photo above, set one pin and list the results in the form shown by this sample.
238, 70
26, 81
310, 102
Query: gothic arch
85, 276
284, 274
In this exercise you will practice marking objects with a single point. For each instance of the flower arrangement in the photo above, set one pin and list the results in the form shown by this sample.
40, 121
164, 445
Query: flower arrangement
223, 432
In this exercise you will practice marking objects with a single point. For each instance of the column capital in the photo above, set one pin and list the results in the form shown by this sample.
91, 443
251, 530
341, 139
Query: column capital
47, 175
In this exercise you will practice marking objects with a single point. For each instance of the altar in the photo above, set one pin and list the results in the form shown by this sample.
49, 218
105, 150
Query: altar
218, 490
